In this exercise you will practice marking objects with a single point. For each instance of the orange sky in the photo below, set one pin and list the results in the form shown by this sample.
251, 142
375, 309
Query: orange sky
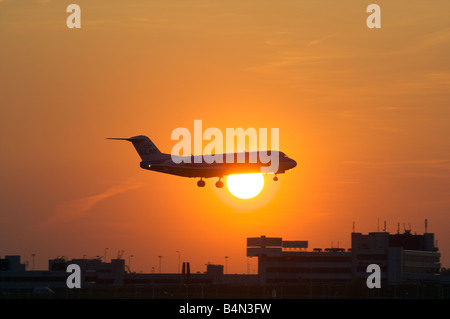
365, 113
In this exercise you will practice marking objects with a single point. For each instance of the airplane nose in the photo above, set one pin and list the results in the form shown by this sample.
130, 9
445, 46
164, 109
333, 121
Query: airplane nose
293, 163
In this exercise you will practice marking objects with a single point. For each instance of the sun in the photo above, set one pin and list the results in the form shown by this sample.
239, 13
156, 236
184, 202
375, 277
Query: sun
245, 186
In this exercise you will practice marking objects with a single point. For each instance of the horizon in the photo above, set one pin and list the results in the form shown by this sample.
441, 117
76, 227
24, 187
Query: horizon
252, 267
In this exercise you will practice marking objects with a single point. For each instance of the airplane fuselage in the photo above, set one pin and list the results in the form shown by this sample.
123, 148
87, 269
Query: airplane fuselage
199, 166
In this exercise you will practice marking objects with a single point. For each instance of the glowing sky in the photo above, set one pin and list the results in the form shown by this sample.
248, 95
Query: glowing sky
365, 113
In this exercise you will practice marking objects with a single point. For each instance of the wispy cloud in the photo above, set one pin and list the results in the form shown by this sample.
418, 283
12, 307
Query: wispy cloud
434, 168
436, 38
435, 163
75, 209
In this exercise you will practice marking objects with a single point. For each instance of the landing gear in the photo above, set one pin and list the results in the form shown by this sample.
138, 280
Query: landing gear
201, 183
275, 178
219, 183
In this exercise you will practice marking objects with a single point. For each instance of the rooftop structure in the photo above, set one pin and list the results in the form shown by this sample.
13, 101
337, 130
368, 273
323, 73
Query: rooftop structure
403, 258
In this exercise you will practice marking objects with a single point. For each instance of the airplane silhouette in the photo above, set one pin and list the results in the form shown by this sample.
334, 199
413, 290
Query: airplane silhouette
204, 166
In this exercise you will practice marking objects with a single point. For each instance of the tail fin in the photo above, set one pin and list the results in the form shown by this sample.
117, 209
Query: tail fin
143, 145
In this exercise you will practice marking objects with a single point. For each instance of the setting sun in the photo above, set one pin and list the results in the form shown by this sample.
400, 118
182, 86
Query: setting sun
245, 186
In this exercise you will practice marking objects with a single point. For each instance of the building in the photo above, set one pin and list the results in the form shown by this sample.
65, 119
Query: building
287, 262
97, 273
93, 271
11, 263
13, 275
403, 258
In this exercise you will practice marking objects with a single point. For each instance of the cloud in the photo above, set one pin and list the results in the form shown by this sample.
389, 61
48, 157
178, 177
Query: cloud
75, 209
435, 163
432, 168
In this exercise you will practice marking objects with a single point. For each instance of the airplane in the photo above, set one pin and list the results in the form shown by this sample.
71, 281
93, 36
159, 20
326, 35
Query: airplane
196, 166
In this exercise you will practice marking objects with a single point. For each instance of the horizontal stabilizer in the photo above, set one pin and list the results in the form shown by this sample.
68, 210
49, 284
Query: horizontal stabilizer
118, 138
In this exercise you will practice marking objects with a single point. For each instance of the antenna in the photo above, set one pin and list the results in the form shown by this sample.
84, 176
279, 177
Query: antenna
353, 226
426, 225
398, 228
119, 254
384, 229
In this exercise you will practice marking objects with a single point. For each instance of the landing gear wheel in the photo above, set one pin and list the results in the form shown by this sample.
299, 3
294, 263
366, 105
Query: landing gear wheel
275, 178
219, 184
201, 183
